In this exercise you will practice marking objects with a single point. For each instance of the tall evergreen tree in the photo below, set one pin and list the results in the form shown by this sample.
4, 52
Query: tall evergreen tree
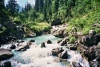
41, 5
13, 7
56, 5
36, 5
28, 7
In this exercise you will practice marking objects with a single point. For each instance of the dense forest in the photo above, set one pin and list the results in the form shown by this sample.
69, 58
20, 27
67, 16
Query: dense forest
84, 15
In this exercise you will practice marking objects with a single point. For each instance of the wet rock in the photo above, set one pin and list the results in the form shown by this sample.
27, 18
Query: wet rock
56, 51
6, 64
64, 41
73, 47
75, 64
89, 40
49, 42
20, 41
23, 46
63, 55
94, 63
91, 53
32, 41
12, 46
59, 32
43, 45
5, 54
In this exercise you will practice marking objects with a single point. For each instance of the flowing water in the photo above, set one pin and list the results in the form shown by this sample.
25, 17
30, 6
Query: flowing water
41, 57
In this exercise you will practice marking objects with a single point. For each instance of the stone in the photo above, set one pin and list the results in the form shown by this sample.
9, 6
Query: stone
43, 45
73, 47
63, 55
12, 46
7, 64
23, 46
56, 51
75, 64
59, 41
49, 42
32, 41
5, 54
92, 32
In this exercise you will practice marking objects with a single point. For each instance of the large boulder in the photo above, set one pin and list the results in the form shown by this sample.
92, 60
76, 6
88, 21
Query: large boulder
63, 41
23, 46
63, 55
5, 54
91, 53
89, 40
56, 51
6, 64
60, 32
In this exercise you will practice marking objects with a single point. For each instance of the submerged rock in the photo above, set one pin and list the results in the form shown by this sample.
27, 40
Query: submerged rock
5, 54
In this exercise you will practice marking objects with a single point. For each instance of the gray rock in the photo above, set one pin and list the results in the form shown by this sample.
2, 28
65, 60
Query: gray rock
5, 54
49, 42
56, 51
23, 46
12, 46
43, 45
6, 64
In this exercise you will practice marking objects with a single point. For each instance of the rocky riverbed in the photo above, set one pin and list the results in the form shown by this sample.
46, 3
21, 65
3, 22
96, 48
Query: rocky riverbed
48, 50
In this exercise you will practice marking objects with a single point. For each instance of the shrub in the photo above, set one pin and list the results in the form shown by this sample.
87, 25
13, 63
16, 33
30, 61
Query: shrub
38, 27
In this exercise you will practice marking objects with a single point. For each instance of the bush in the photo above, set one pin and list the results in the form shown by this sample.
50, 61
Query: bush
39, 27
71, 38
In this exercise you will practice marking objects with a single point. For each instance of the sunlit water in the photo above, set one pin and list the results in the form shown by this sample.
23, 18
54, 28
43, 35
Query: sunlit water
41, 57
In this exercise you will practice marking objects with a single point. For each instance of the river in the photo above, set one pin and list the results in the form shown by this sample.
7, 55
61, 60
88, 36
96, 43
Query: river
42, 57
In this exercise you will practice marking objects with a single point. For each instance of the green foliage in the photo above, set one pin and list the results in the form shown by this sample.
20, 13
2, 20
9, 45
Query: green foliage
78, 13
12, 7
39, 27
71, 39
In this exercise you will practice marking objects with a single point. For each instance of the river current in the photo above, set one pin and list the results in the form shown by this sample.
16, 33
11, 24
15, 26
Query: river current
42, 57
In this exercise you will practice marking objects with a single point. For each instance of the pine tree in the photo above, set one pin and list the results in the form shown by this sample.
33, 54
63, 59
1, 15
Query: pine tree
28, 7
36, 5
13, 7
56, 5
